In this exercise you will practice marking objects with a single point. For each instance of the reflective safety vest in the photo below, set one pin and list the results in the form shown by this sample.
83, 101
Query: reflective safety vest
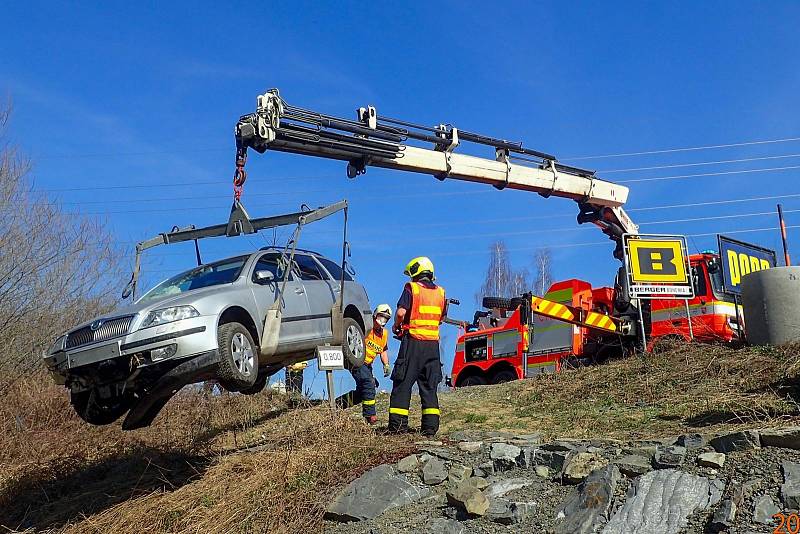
375, 344
427, 311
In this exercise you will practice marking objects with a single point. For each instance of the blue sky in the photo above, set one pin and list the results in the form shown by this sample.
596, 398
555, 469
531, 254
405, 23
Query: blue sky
127, 112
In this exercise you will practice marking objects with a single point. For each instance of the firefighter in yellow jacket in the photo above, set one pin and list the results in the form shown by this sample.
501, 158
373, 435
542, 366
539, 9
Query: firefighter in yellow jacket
377, 344
420, 312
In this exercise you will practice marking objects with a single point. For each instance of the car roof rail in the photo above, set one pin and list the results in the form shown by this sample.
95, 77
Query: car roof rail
307, 251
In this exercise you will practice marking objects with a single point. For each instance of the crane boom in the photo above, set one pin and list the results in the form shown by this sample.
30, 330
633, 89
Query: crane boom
385, 142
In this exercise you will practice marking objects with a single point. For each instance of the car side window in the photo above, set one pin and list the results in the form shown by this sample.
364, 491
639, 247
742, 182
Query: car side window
269, 262
309, 270
335, 269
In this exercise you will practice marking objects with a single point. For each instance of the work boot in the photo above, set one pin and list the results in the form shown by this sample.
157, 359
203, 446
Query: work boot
371, 419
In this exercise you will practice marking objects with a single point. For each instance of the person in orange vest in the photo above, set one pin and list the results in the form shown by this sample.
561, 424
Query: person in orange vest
420, 312
377, 344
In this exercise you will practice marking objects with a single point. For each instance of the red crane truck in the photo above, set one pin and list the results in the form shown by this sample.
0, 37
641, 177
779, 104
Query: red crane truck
514, 340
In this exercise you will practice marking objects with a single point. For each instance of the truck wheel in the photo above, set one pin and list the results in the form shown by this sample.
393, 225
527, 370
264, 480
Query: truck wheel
474, 380
238, 357
497, 302
503, 375
98, 411
353, 346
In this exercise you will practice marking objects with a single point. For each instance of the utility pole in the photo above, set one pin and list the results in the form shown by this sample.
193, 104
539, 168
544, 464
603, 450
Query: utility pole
786, 258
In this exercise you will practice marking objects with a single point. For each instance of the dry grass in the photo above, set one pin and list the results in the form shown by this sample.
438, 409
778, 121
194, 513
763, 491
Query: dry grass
209, 464
687, 387
251, 464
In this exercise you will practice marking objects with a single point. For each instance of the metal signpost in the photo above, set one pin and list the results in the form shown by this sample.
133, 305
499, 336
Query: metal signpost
738, 259
657, 267
329, 359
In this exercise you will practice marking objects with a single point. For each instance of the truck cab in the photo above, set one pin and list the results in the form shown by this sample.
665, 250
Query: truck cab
714, 315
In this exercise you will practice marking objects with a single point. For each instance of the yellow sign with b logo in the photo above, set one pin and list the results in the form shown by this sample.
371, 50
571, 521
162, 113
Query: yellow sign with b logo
660, 261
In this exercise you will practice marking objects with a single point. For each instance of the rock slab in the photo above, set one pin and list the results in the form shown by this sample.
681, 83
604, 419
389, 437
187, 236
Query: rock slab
662, 501
504, 456
711, 459
633, 465
587, 507
459, 472
581, 464
787, 438
553, 460
470, 446
373, 493
408, 464
790, 490
667, 457
434, 472
691, 441
737, 441
469, 499
501, 487
724, 516
444, 526
763, 510
507, 512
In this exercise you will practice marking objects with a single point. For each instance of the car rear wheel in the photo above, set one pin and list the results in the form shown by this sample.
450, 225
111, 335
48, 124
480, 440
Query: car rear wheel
474, 380
95, 410
238, 357
353, 343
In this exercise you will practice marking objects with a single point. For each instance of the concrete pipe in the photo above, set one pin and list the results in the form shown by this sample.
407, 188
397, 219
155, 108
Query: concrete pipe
771, 303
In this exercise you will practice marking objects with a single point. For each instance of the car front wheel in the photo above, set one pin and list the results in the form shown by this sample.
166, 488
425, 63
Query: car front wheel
353, 346
238, 357
95, 410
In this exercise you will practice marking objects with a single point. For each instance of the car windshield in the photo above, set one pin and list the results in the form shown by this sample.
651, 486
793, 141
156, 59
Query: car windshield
213, 274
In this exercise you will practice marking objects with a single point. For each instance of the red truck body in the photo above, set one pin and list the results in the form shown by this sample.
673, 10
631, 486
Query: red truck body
513, 343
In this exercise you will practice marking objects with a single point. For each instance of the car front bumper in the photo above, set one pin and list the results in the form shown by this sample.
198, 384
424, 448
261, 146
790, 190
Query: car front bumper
185, 338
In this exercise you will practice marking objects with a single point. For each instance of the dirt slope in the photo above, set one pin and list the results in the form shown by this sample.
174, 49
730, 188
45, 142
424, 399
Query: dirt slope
253, 464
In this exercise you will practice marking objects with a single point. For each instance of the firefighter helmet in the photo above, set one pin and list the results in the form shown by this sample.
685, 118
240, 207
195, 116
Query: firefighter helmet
418, 266
383, 309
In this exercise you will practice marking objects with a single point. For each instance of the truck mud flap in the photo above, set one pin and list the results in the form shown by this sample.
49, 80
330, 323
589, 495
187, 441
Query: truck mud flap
145, 410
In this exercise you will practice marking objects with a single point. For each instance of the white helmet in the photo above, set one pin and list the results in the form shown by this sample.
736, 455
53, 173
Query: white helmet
383, 309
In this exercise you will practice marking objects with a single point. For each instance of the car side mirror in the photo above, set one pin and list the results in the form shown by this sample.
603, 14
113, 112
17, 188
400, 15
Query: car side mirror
264, 277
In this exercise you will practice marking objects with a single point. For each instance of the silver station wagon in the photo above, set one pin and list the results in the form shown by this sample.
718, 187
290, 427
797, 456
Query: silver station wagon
237, 321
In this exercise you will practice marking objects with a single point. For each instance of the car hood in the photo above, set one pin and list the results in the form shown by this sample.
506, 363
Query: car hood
184, 298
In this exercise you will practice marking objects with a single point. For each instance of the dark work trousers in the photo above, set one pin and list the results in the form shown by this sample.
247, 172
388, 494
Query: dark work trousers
365, 388
417, 361
294, 381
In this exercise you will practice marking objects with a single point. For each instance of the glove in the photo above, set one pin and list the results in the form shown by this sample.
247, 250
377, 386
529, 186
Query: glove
397, 330
387, 370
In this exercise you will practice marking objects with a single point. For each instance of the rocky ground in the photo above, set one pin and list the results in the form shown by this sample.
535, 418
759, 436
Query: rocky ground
479, 481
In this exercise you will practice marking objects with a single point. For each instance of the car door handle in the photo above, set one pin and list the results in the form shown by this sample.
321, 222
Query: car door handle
299, 290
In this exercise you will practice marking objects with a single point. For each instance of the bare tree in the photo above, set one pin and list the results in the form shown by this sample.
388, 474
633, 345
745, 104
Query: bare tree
520, 282
56, 268
542, 261
498, 281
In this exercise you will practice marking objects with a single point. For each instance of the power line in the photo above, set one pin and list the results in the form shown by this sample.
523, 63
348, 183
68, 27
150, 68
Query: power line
565, 215
566, 245
454, 237
719, 162
716, 202
677, 177
684, 149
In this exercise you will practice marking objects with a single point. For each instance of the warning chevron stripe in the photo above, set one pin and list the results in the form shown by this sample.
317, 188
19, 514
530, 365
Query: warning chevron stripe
565, 313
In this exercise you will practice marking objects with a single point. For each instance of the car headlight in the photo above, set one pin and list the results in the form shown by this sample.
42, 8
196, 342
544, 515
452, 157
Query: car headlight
167, 315
58, 344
